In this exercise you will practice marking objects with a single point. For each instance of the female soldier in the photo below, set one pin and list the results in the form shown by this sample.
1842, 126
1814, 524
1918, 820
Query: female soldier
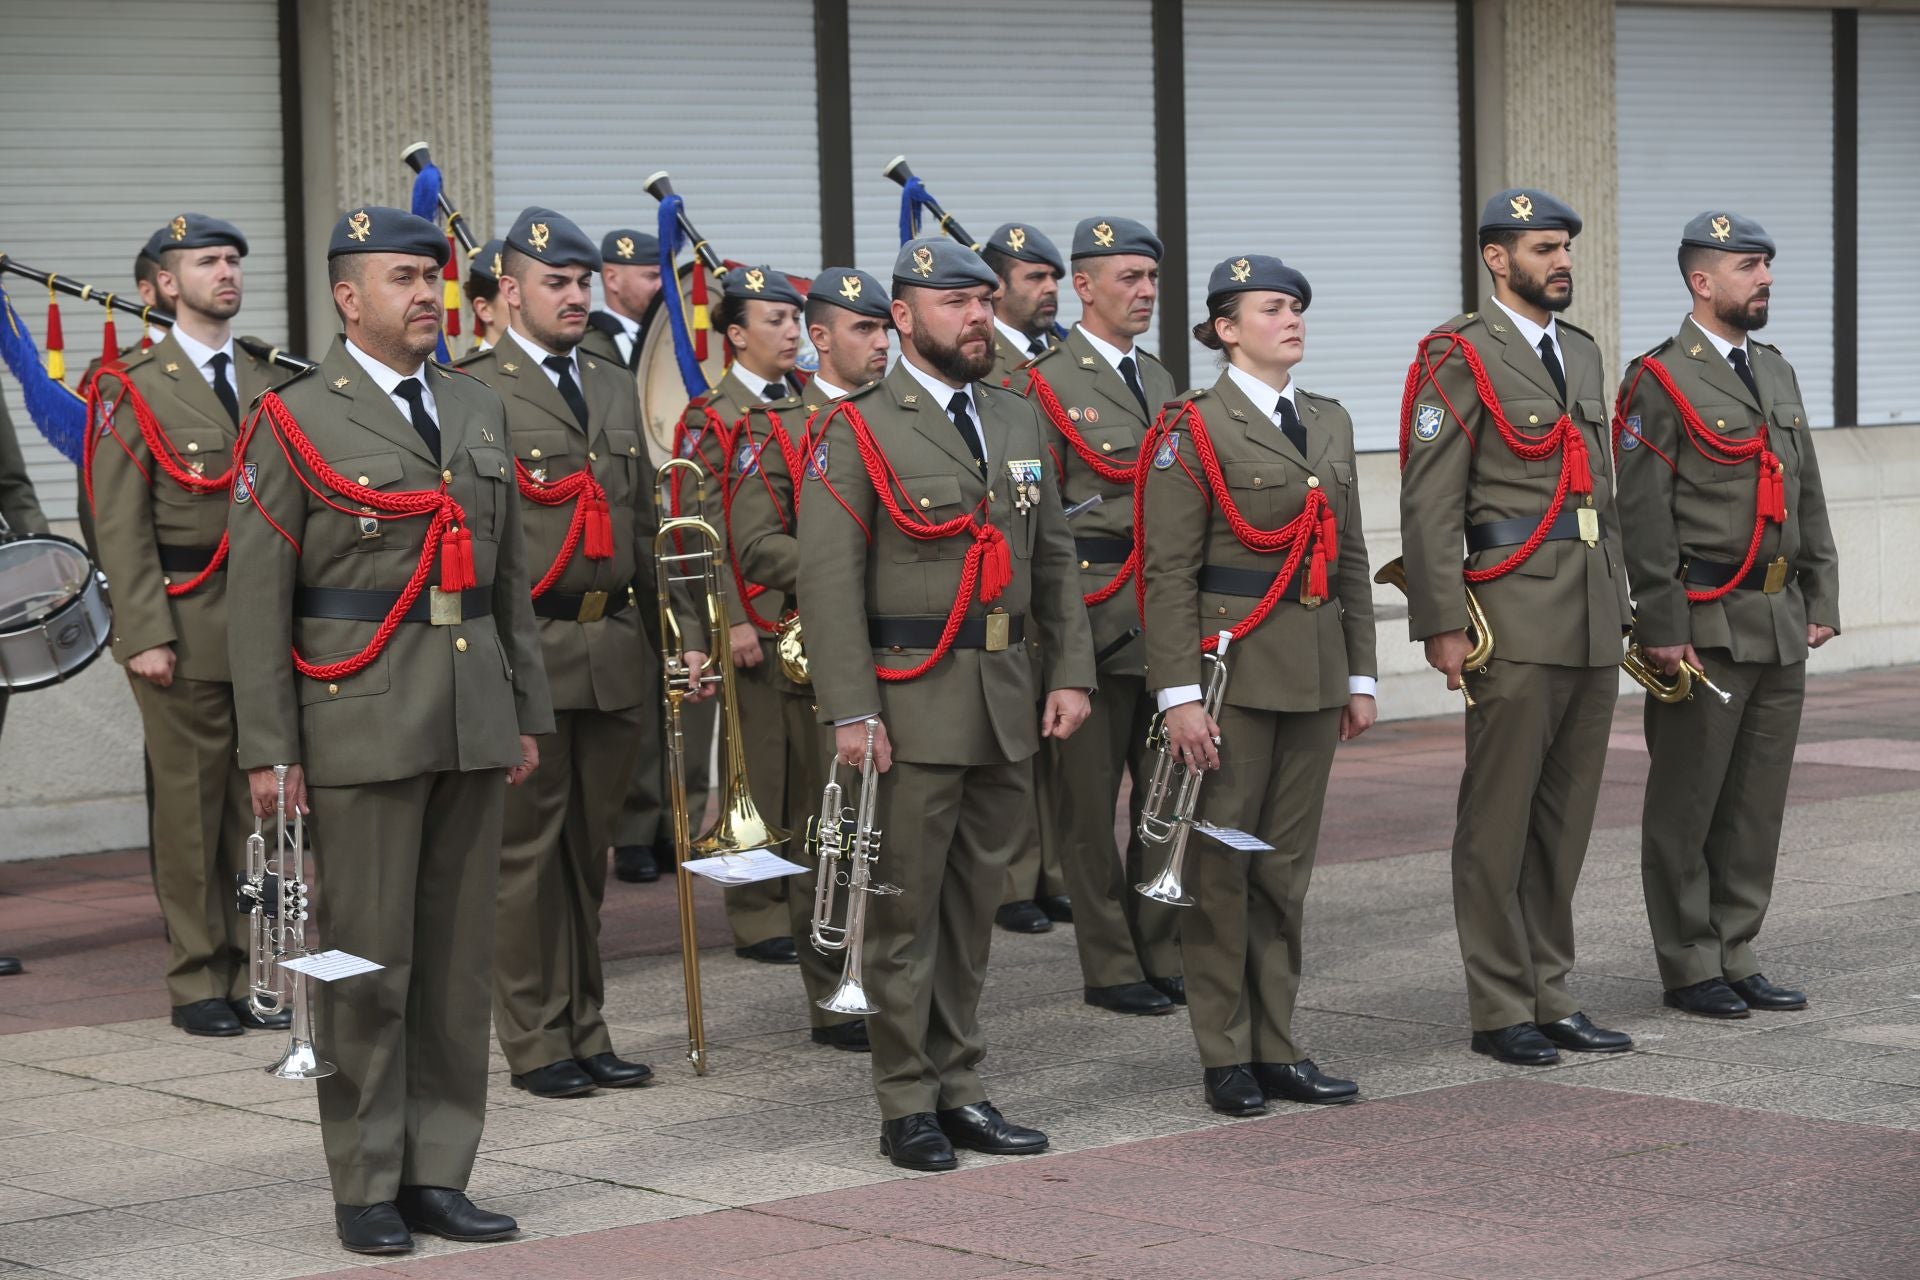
1254, 514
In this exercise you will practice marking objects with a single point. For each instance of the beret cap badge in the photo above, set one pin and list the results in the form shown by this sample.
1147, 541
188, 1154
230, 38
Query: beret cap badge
498, 268
1017, 239
359, 226
1103, 236
538, 235
850, 288
178, 227
756, 280
1722, 228
624, 246
1522, 207
923, 261
1242, 271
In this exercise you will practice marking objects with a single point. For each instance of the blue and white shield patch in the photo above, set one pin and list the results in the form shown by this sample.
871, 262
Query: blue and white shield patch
1427, 419
243, 482
817, 465
690, 443
1169, 450
747, 461
1630, 438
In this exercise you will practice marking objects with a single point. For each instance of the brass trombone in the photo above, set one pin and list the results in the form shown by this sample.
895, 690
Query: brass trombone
1664, 688
847, 835
273, 893
1479, 630
1182, 782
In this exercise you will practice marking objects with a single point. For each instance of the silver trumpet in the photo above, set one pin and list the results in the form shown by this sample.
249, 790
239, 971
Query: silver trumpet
847, 844
274, 894
1176, 781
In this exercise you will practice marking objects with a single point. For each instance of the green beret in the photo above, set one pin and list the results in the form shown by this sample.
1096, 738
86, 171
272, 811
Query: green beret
377, 229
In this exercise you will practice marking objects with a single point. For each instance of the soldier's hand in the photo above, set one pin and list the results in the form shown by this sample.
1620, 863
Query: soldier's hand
744, 643
1447, 654
155, 666
529, 761
850, 745
1668, 657
1358, 716
1066, 710
1818, 635
264, 789
697, 663
1194, 736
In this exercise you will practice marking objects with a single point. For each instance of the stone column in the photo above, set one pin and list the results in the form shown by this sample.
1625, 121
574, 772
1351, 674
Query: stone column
1544, 117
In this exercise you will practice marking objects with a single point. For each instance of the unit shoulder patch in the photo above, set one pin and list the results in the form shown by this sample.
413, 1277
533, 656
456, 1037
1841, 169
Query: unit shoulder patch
1630, 436
1427, 421
1169, 449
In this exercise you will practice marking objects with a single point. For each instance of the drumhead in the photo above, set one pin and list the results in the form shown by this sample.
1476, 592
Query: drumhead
39, 575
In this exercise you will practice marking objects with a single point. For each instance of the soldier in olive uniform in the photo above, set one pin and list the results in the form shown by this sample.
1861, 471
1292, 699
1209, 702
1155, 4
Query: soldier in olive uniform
630, 279
1030, 271
1098, 392
146, 280
403, 714
483, 296
848, 318
574, 427
158, 523
760, 317
1521, 478
932, 580
1298, 655
1734, 569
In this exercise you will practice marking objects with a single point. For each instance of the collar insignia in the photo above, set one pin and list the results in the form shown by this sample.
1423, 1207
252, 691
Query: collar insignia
172, 367
510, 367
1694, 350
339, 384
910, 398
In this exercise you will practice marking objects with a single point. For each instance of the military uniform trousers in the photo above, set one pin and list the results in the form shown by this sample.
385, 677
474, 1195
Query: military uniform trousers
1536, 744
1036, 868
1241, 938
1122, 936
201, 820
406, 874
1710, 831
809, 748
760, 910
547, 983
949, 832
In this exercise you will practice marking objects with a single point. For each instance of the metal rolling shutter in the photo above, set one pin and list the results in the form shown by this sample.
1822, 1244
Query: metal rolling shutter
1349, 169
1889, 193
95, 162
1729, 108
592, 96
1011, 110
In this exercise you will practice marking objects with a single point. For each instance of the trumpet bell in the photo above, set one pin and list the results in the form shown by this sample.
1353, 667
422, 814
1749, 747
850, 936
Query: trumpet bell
301, 1061
849, 997
1166, 887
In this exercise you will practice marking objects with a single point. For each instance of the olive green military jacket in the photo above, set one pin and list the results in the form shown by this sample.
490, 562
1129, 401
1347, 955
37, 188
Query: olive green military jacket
1009, 360
138, 509
1567, 604
708, 443
1677, 505
439, 698
1298, 658
19, 505
1097, 404
595, 664
978, 705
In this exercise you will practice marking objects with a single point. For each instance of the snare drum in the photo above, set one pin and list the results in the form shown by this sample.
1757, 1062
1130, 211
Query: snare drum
54, 619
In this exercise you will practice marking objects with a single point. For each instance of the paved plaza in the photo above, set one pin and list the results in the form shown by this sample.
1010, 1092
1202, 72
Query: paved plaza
1782, 1145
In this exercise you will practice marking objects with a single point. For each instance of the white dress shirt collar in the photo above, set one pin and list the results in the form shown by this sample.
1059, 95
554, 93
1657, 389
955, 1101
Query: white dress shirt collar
755, 382
1017, 340
1264, 396
1532, 333
823, 390
941, 393
1108, 352
387, 379
202, 356
540, 356
1720, 344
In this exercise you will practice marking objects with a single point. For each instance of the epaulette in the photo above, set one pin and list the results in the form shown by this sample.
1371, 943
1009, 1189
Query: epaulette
1315, 395
1655, 349
139, 358
1149, 356
867, 390
453, 366
1577, 329
1768, 345
462, 362
1187, 397
1456, 324
1033, 362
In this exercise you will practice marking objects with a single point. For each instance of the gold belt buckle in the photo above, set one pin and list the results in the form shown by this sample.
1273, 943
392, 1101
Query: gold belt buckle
1776, 576
1589, 525
443, 607
593, 606
999, 630
1308, 600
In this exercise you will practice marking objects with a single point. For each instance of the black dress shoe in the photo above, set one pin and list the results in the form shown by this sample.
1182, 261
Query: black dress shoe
1577, 1032
372, 1228
1710, 999
770, 951
850, 1036
206, 1018
610, 1072
1022, 917
562, 1079
915, 1142
444, 1212
1521, 1044
1174, 989
979, 1126
1761, 994
1140, 998
9, 965
634, 863
1232, 1091
243, 1012
1303, 1082
1057, 906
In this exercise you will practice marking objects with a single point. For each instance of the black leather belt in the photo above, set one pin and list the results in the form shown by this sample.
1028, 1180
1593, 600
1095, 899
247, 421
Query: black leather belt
994, 632
1770, 577
430, 605
1248, 582
1510, 533
590, 607
185, 559
1103, 550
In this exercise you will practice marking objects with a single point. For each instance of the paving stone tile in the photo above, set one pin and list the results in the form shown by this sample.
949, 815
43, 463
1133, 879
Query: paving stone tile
220, 1259
1094, 1080
67, 1043
1564, 1257
1866, 1255
68, 1237
1375, 1233
1865, 1199
772, 1129
1228, 1150
869, 1259
138, 1177
630, 1159
36, 1153
1050, 1234
1081, 1126
242, 1212
18, 1204
147, 1062
1377, 1174
1538, 1201
231, 1088
1658, 1073
1802, 1094
1216, 1257
747, 1180
564, 1118
1544, 1145
590, 1207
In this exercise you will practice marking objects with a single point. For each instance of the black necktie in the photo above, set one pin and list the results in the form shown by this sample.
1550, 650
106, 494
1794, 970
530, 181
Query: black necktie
1131, 373
569, 389
224, 389
970, 434
415, 394
1290, 426
1036, 346
1738, 357
1552, 361
774, 391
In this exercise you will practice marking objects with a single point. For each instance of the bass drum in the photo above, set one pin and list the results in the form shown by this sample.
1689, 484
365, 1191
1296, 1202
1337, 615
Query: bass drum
663, 395
54, 619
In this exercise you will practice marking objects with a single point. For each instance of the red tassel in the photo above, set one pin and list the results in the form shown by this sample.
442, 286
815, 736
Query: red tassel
1329, 534
456, 561
110, 339
1580, 473
146, 337
1317, 573
1773, 489
56, 340
599, 538
996, 564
